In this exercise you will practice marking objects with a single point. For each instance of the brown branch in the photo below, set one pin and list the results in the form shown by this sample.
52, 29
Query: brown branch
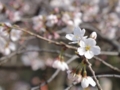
45, 39
93, 73
107, 64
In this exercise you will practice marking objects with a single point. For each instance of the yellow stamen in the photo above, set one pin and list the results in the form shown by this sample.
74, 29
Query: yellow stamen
76, 36
87, 48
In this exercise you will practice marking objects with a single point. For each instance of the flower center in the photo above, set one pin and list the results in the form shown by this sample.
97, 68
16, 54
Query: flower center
87, 48
77, 36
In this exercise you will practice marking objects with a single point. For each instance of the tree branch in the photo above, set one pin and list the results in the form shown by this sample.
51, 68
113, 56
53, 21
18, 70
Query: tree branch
107, 64
93, 73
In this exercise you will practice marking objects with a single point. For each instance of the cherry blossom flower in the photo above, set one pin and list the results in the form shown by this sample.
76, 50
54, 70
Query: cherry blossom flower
8, 48
3, 32
70, 27
15, 34
66, 17
38, 23
51, 20
77, 19
32, 59
86, 81
93, 35
88, 48
77, 36
14, 16
37, 63
73, 76
60, 65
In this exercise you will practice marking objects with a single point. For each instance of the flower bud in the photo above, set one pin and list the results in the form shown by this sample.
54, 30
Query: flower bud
93, 35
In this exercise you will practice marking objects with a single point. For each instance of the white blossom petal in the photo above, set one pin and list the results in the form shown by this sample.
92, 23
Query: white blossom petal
91, 81
89, 54
7, 51
56, 64
65, 65
95, 50
77, 31
73, 42
70, 36
81, 51
12, 46
82, 32
91, 42
84, 83
82, 43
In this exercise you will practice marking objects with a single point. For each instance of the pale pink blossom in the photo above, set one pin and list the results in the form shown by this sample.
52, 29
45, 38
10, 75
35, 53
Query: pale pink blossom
86, 81
74, 77
88, 48
51, 20
60, 65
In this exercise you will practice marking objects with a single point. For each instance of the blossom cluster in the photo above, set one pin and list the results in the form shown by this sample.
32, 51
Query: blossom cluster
8, 37
74, 75
70, 14
87, 49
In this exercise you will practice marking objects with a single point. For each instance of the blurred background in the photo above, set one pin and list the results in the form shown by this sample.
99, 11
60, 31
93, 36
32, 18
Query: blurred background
25, 61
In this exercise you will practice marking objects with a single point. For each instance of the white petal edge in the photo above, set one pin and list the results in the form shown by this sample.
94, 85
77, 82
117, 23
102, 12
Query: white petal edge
82, 43
91, 81
81, 51
84, 83
96, 50
90, 42
69, 36
77, 31
89, 54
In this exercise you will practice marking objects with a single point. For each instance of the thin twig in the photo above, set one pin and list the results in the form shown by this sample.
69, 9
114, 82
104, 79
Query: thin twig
109, 53
93, 73
108, 75
45, 39
107, 64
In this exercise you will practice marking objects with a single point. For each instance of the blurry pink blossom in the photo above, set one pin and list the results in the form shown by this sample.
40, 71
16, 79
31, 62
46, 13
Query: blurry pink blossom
74, 77
51, 20
60, 65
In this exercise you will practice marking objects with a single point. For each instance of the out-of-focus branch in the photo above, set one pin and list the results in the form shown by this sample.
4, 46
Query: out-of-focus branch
5, 58
109, 53
48, 81
108, 75
68, 88
107, 64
